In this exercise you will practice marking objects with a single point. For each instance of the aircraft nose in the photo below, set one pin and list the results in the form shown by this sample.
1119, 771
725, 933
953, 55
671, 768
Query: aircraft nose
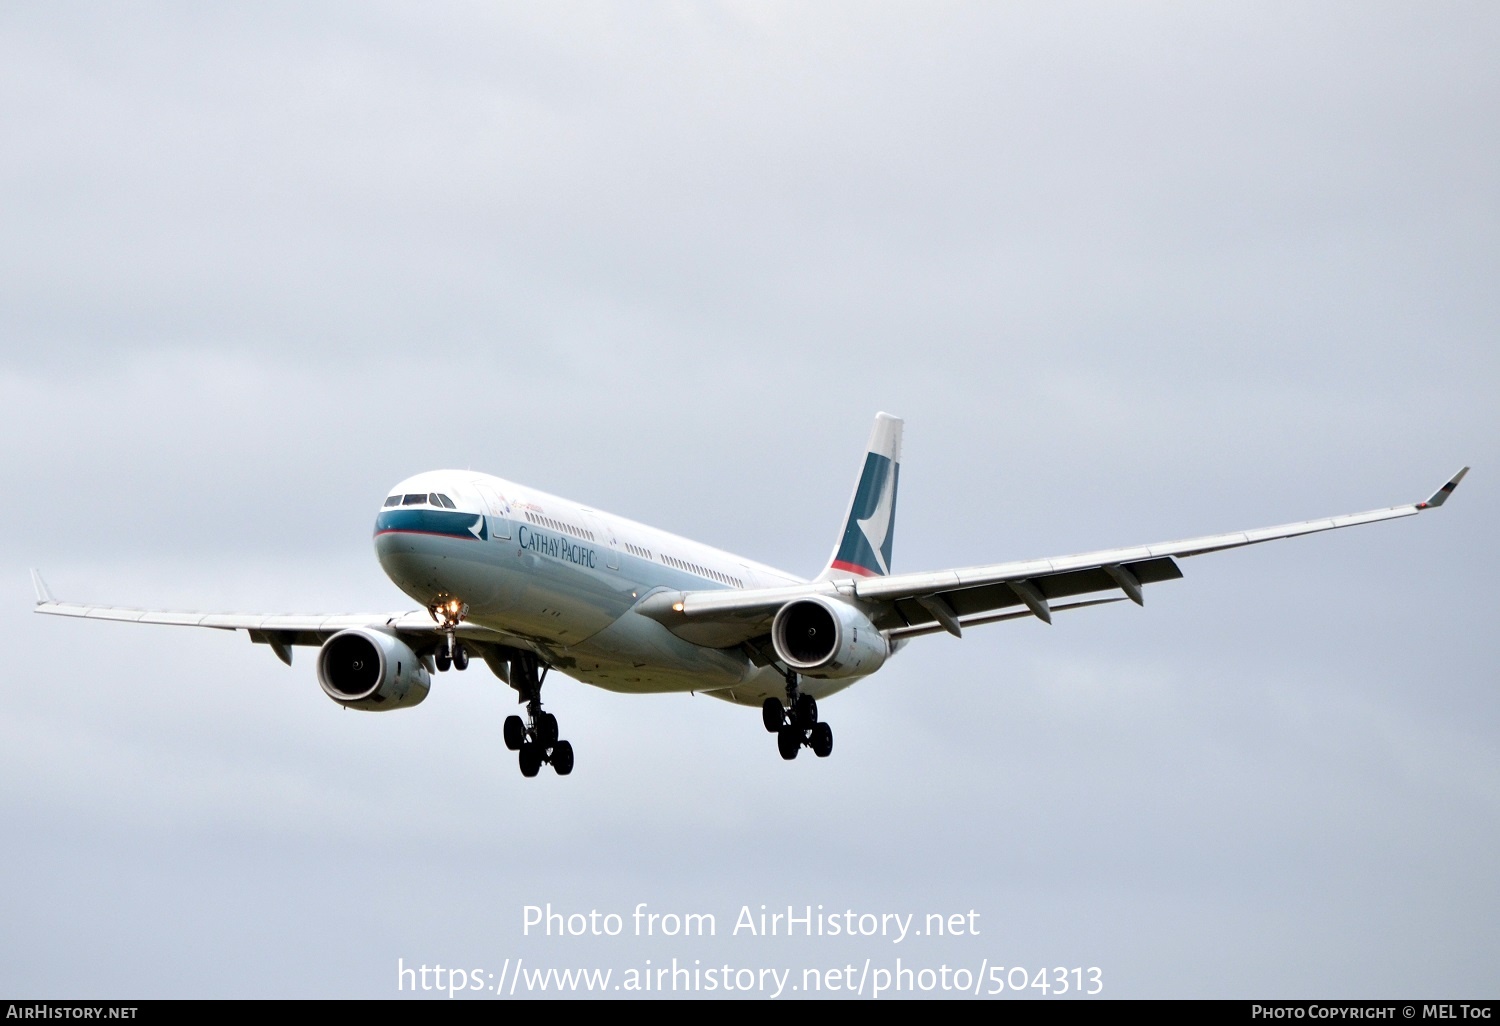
406, 562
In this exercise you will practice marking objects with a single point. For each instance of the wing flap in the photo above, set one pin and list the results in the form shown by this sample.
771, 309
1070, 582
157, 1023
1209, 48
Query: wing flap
968, 602
975, 621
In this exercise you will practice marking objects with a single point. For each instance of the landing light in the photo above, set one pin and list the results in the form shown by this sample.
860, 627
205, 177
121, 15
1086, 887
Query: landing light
676, 607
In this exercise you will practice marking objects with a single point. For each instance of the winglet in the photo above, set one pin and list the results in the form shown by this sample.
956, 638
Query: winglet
43, 595
1441, 495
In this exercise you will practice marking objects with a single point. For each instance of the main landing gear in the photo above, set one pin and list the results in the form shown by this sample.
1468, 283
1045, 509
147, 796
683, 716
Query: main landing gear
535, 738
796, 724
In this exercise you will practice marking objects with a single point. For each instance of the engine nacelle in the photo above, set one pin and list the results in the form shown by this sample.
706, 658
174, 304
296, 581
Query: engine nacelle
823, 637
361, 668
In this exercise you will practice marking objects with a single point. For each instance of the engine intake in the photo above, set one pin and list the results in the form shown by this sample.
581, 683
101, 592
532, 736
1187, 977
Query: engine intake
826, 638
369, 669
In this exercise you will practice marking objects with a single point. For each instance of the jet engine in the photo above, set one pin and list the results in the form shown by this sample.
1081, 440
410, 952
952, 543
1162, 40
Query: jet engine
826, 638
361, 668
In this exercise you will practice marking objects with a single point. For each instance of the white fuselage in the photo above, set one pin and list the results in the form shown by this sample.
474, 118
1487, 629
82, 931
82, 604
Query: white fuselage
562, 579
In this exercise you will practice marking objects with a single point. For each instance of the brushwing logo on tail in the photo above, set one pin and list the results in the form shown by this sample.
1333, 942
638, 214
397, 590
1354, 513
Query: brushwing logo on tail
868, 536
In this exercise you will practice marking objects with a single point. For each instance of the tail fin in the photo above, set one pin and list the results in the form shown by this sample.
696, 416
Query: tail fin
864, 547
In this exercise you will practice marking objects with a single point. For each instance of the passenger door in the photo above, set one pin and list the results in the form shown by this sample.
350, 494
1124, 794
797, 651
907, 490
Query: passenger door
498, 511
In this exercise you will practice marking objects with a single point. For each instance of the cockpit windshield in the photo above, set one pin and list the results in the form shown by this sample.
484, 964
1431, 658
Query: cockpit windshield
437, 499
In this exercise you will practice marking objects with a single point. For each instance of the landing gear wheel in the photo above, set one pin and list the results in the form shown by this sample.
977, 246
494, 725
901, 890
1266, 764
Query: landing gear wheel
806, 712
536, 735
460, 657
442, 659
515, 733
822, 740
789, 741
531, 759
772, 715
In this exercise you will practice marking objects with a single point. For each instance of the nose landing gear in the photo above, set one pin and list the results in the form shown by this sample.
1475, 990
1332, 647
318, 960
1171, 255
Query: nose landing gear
449, 613
536, 737
796, 724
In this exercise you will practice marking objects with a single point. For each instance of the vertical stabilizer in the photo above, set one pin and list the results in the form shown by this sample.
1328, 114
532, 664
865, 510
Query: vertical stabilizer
864, 546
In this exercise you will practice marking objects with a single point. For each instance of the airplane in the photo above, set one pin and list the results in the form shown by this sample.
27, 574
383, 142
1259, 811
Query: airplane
530, 583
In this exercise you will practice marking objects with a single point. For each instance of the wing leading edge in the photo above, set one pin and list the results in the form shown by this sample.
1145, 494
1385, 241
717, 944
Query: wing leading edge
281, 631
906, 605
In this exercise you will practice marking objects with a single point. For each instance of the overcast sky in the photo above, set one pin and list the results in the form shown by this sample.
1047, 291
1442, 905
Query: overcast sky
1130, 273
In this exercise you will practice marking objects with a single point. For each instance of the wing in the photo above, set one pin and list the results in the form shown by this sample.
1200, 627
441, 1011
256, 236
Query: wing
908, 605
281, 631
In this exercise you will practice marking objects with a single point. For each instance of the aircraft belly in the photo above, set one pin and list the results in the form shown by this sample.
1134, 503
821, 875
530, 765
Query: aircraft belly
769, 683
638, 654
